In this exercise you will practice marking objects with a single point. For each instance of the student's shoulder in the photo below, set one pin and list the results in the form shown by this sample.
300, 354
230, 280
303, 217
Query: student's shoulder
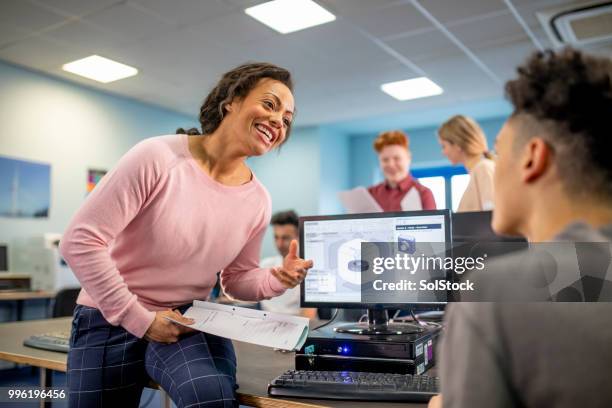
485, 166
376, 187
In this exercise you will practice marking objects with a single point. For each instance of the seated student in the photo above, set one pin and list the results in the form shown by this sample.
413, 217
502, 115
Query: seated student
553, 182
464, 142
400, 191
286, 229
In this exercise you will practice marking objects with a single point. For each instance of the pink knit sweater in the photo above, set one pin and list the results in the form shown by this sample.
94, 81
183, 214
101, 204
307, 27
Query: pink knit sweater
156, 230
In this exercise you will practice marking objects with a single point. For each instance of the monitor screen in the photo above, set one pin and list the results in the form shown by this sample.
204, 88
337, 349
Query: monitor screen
334, 245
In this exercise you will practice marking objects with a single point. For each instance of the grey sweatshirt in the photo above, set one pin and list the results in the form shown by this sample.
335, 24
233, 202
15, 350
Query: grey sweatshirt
529, 354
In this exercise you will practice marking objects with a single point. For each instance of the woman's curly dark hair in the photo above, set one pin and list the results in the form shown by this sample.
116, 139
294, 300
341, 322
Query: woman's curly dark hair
569, 94
236, 83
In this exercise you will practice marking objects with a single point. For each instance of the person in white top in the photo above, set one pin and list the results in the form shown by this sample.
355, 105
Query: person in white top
464, 142
285, 225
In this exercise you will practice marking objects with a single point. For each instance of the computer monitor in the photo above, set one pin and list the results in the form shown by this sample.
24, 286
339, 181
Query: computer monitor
3, 257
473, 236
334, 242
476, 226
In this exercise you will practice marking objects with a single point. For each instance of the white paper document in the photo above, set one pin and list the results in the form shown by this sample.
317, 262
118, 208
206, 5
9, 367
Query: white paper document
268, 329
412, 201
359, 200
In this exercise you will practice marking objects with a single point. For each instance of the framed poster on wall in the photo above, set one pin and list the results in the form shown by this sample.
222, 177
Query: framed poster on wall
25, 188
93, 177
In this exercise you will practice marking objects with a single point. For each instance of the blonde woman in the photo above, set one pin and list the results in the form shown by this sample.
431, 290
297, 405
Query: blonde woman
464, 142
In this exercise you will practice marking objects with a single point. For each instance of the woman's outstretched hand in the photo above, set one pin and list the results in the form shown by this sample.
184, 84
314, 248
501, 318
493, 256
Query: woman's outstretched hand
294, 268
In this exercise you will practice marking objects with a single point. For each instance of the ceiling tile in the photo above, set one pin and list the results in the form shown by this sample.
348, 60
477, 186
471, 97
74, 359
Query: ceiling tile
392, 20
186, 12
10, 33
447, 11
355, 7
129, 22
504, 60
89, 37
488, 31
41, 54
545, 3
160, 55
223, 30
458, 75
337, 35
76, 7
27, 16
428, 45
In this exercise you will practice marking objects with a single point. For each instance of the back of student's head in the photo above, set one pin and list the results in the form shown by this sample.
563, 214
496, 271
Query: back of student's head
464, 132
565, 97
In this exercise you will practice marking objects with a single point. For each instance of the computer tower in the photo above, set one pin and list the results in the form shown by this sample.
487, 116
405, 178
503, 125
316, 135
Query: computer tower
328, 350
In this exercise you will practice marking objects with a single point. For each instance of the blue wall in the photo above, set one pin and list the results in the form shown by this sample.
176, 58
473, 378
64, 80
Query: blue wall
335, 170
305, 175
292, 176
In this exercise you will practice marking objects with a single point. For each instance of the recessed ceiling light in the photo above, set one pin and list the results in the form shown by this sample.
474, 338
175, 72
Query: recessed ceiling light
412, 88
100, 69
287, 16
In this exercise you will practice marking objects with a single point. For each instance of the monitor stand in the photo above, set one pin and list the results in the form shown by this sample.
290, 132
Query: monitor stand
378, 324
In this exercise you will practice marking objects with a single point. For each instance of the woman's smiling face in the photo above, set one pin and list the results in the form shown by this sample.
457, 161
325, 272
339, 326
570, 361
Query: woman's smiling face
263, 118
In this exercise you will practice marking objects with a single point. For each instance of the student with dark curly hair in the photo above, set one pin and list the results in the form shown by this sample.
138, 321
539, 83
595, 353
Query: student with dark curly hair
553, 182
154, 233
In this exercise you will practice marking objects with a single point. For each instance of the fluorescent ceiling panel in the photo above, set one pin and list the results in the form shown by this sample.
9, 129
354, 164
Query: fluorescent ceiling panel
411, 88
100, 69
287, 16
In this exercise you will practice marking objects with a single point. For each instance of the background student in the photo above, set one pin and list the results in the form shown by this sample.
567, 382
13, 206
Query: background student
553, 182
399, 186
285, 225
153, 234
464, 142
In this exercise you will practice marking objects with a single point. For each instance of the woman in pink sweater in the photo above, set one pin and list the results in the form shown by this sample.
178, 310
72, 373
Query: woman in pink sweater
152, 236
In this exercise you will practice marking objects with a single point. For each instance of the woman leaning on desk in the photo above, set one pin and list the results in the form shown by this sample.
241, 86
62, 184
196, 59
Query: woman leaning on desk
400, 191
464, 142
152, 235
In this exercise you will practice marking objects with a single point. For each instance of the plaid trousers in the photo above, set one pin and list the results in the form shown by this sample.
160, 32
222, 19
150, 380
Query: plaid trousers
109, 367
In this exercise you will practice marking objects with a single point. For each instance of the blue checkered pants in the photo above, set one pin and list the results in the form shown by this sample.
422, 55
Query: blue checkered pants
109, 367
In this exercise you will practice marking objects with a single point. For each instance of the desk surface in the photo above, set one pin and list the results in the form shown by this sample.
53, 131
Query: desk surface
256, 365
27, 294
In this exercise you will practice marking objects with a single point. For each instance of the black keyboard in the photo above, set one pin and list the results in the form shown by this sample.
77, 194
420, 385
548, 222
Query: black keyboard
354, 386
57, 341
